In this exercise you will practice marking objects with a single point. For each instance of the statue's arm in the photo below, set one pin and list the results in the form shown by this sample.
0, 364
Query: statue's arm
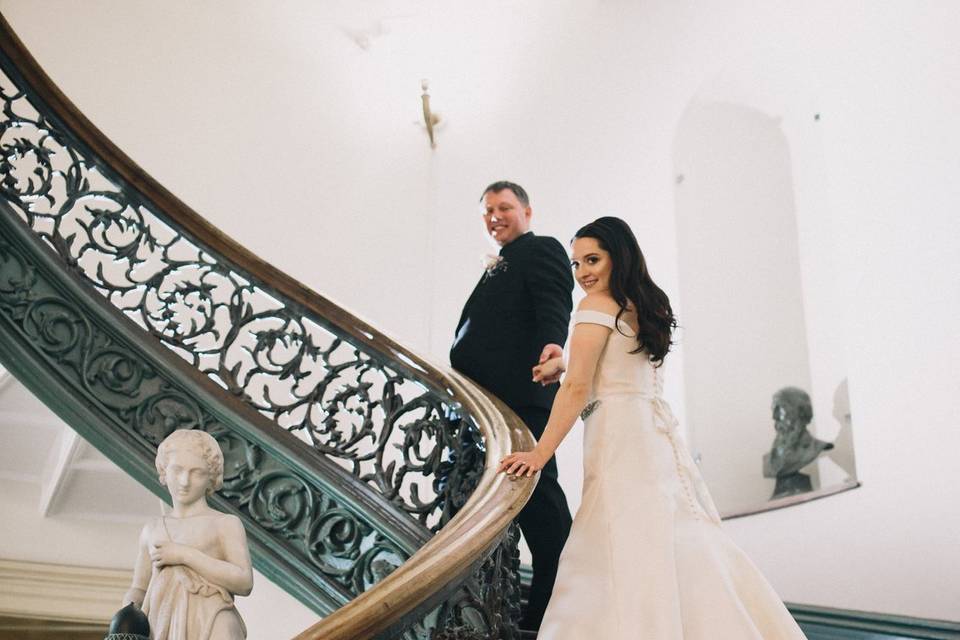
234, 573
141, 571
237, 553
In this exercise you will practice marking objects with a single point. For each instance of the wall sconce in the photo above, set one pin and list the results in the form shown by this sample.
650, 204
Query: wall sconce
429, 119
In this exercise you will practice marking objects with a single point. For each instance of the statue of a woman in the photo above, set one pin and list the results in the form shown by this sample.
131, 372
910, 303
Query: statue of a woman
193, 561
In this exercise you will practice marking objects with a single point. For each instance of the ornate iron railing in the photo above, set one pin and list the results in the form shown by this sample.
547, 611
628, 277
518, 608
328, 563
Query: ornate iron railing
345, 452
377, 414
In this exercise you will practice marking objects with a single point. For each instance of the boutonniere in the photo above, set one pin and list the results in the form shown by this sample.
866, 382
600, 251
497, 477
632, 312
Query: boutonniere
493, 265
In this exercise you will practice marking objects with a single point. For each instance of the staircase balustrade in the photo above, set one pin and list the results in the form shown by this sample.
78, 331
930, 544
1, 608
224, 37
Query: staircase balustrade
353, 462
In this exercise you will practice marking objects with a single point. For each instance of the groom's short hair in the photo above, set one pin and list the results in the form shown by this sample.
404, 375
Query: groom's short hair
517, 190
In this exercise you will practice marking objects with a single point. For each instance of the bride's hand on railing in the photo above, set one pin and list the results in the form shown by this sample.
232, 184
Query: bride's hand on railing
522, 463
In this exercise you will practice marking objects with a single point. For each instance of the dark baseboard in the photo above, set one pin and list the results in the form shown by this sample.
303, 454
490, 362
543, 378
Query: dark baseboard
15, 628
825, 623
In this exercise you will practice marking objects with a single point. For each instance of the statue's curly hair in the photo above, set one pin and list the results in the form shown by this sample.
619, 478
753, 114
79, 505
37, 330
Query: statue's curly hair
797, 400
194, 439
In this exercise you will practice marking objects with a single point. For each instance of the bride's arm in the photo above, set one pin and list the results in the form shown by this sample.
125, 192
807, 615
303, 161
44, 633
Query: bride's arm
586, 345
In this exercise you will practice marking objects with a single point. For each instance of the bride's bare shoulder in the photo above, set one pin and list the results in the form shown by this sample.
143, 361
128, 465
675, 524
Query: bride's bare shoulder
599, 301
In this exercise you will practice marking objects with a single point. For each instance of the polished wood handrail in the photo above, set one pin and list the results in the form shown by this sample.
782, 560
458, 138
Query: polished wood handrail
496, 501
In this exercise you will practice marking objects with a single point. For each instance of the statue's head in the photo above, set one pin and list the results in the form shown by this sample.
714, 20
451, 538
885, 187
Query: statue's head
194, 445
791, 408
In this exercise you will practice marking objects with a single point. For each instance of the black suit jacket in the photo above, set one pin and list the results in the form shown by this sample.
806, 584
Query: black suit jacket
515, 309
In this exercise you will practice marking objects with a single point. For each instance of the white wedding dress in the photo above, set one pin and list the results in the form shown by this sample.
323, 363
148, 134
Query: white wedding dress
646, 558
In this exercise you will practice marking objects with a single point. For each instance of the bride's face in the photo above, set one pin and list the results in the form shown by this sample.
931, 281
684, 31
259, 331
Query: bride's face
591, 265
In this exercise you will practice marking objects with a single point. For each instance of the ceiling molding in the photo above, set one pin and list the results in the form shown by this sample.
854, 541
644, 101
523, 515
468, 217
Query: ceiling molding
98, 466
61, 592
38, 629
16, 476
46, 420
7, 379
55, 481
107, 518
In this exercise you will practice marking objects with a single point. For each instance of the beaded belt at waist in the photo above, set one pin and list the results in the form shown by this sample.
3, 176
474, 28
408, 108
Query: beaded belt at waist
591, 406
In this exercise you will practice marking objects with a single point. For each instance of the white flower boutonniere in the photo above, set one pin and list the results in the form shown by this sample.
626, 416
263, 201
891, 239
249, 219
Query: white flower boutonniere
493, 265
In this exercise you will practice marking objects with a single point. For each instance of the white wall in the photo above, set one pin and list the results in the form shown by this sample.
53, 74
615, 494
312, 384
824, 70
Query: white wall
274, 124
738, 253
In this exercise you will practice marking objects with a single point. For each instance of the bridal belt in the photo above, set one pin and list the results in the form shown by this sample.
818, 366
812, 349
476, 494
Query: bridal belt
694, 487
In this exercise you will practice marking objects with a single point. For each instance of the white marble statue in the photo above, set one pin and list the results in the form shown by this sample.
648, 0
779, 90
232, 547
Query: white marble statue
193, 561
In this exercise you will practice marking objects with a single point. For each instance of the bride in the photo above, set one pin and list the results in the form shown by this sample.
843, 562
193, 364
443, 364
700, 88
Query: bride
646, 557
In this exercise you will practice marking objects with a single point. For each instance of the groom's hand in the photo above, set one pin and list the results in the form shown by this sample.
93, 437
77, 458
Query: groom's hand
548, 371
550, 351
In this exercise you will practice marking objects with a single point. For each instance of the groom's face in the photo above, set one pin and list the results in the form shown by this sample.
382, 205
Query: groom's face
505, 217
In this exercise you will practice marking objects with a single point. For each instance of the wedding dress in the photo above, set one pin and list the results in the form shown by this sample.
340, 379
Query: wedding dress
647, 557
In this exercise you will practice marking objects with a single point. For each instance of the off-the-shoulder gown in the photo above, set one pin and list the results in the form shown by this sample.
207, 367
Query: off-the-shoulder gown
647, 557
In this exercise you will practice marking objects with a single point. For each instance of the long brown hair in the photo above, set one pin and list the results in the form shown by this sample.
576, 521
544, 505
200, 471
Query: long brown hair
630, 283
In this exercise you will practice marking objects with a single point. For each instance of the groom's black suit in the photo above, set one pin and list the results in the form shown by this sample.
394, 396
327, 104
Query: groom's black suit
520, 305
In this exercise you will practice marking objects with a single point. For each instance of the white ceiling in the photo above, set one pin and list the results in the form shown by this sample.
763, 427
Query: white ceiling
74, 479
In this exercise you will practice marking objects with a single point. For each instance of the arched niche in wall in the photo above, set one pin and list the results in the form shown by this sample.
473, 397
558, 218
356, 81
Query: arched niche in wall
760, 320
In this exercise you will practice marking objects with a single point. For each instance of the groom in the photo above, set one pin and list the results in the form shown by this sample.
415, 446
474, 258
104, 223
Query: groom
516, 317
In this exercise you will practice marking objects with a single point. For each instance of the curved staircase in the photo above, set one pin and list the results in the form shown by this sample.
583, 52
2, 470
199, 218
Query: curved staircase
363, 473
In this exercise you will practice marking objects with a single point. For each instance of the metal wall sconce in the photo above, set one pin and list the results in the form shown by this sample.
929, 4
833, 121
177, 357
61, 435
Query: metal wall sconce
429, 119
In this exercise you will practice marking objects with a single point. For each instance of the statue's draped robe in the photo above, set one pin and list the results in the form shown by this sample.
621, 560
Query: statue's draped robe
182, 605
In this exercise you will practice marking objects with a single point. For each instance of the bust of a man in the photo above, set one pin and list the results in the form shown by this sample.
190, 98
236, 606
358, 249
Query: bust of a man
793, 446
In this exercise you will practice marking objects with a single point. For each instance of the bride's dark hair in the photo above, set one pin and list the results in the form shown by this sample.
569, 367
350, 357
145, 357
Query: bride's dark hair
630, 284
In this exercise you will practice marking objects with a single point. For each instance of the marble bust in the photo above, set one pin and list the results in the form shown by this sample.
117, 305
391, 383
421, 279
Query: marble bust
192, 562
793, 446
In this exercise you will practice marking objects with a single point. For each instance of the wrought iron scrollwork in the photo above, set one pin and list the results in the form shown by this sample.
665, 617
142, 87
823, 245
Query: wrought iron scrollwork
488, 607
375, 415
148, 406
381, 422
